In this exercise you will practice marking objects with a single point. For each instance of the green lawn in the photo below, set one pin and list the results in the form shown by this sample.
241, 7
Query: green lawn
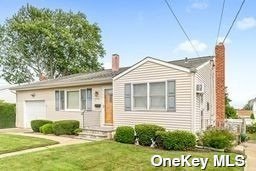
11, 143
252, 137
105, 155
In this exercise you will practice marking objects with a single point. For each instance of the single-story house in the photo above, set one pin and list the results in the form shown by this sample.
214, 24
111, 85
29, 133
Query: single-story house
178, 94
241, 113
7, 95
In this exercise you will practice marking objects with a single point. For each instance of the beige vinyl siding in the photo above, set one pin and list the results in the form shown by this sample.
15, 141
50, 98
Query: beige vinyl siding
205, 75
153, 72
48, 95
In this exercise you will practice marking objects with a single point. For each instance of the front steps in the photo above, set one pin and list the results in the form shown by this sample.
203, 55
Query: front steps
97, 133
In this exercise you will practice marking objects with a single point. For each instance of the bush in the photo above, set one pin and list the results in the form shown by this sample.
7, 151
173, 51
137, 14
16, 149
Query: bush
125, 134
176, 140
65, 127
243, 137
252, 116
36, 124
46, 129
7, 115
76, 131
146, 132
251, 128
218, 138
159, 138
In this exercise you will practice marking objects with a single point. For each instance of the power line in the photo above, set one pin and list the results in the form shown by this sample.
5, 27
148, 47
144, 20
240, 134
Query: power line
241, 6
221, 16
183, 30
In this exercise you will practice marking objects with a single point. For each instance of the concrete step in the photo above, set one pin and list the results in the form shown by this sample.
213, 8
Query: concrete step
88, 139
86, 134
97, 132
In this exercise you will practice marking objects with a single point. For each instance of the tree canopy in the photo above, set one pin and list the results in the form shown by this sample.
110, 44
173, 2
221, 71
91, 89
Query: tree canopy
230, 111
53, 43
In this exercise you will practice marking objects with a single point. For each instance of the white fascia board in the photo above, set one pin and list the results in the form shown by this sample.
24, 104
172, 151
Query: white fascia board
149, 59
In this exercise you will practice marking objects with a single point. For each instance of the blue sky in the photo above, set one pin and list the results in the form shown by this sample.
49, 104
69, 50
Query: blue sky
138, 28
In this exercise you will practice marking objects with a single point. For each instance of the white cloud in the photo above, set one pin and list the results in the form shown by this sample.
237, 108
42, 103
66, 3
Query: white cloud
107, 65
246, 23
199, 5
186, 46
227, 41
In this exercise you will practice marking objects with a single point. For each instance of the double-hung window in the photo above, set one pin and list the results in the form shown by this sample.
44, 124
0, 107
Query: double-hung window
86, 99
59, 100
150, 96
140, 96
73, 99
171, 95
157, 95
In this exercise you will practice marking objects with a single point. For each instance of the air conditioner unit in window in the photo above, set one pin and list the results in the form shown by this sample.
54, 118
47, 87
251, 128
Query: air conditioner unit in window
200, 88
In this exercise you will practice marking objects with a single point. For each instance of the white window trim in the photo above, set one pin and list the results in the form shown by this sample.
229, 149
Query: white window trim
156, 109
59, 100
79, 100
133, 109
132, 97
65, 100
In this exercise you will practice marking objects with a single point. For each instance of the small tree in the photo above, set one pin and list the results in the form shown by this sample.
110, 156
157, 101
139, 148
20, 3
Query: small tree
230, 111
249, 105
252, 116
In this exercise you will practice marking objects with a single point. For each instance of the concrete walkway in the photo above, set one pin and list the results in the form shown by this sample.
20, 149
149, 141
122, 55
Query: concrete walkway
250, 151
26, 132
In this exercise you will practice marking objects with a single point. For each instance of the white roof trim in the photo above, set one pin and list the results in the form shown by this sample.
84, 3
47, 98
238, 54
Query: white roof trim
204, 64
63, 84
149, 59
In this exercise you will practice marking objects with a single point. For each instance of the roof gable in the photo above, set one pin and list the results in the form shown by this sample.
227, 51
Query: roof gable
150, 59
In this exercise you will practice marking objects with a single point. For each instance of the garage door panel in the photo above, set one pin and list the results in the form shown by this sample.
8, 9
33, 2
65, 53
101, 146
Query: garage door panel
34, 110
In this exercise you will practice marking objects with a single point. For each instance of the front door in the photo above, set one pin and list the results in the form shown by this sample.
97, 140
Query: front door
108, 107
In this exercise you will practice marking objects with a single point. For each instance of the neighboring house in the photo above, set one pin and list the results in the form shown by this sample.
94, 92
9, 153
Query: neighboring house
177, 94
241, 113
7, 95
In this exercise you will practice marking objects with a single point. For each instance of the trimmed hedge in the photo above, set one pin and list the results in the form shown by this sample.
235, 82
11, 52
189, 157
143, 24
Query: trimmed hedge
218, 138
125, 134
63, 127
7, 115
36, 124
146, 132
46, 129
176, 140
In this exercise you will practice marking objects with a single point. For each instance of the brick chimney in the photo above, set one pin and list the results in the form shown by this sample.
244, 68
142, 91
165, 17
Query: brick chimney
115, 62
220, 83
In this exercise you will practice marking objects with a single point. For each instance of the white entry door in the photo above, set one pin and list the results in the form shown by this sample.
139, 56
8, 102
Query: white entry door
35, 109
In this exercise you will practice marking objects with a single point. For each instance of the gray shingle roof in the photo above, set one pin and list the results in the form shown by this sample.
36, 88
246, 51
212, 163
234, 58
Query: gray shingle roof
192, 63
104, 76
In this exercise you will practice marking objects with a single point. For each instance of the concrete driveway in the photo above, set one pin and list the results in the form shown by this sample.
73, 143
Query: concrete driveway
250, 151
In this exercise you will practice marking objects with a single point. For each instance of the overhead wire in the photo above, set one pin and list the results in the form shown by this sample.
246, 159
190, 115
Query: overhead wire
220, 22
181, 27
234, 20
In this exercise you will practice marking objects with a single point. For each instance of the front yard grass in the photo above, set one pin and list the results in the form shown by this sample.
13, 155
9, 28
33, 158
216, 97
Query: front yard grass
252, 137
11, 143
104, 155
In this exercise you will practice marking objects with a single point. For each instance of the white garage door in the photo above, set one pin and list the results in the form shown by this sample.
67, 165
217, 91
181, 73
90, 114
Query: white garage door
34, 110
